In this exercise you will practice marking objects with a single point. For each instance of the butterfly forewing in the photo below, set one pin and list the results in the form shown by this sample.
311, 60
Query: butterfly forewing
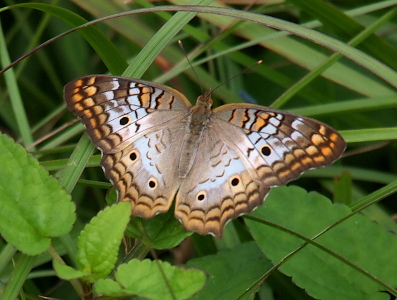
235, 153
116, 109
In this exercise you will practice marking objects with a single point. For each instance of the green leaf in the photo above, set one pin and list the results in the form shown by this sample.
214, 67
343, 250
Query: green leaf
357, 239
231, 272
33, 206
66, 272
343, 188
109, 287
99, 241
164, 230
144, 279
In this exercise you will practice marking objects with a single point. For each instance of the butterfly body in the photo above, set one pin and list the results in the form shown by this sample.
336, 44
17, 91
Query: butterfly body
219, 163
195, 128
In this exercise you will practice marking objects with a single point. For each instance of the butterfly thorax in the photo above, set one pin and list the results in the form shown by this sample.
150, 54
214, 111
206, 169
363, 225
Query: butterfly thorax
197, 123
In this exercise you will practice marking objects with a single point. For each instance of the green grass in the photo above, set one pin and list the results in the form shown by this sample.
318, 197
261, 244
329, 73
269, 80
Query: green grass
298, 245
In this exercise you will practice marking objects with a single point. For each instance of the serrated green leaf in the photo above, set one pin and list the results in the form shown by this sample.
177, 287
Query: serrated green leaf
358, 239
108, 287
67, 272
231, 272
33, 206
99, 241
144, 279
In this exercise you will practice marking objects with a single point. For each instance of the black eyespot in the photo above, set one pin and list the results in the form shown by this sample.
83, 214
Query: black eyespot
266, 151
133, 156
124, 120
152, 184
235, 181
201, 197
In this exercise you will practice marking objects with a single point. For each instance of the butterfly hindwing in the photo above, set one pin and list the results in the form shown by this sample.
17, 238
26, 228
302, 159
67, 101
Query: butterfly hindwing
145, 172
219, 189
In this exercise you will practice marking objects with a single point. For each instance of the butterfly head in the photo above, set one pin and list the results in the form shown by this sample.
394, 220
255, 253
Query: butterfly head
205, 100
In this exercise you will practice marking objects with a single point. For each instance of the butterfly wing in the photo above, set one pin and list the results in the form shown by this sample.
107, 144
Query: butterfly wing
280, 146
145, 172
118, 110
136, 125
244, 150
219, 188
250, 150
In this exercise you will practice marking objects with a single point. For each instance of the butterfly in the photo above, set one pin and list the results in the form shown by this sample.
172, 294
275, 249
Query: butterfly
219, 163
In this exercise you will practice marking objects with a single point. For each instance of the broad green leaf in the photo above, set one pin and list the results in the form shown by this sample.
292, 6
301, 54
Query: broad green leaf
67, 272
33, 206
109, 287
144, 279
231, 272
99, 242
357, 239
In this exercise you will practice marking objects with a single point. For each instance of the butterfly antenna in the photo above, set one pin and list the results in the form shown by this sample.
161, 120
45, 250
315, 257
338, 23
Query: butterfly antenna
242, 72
190, 64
